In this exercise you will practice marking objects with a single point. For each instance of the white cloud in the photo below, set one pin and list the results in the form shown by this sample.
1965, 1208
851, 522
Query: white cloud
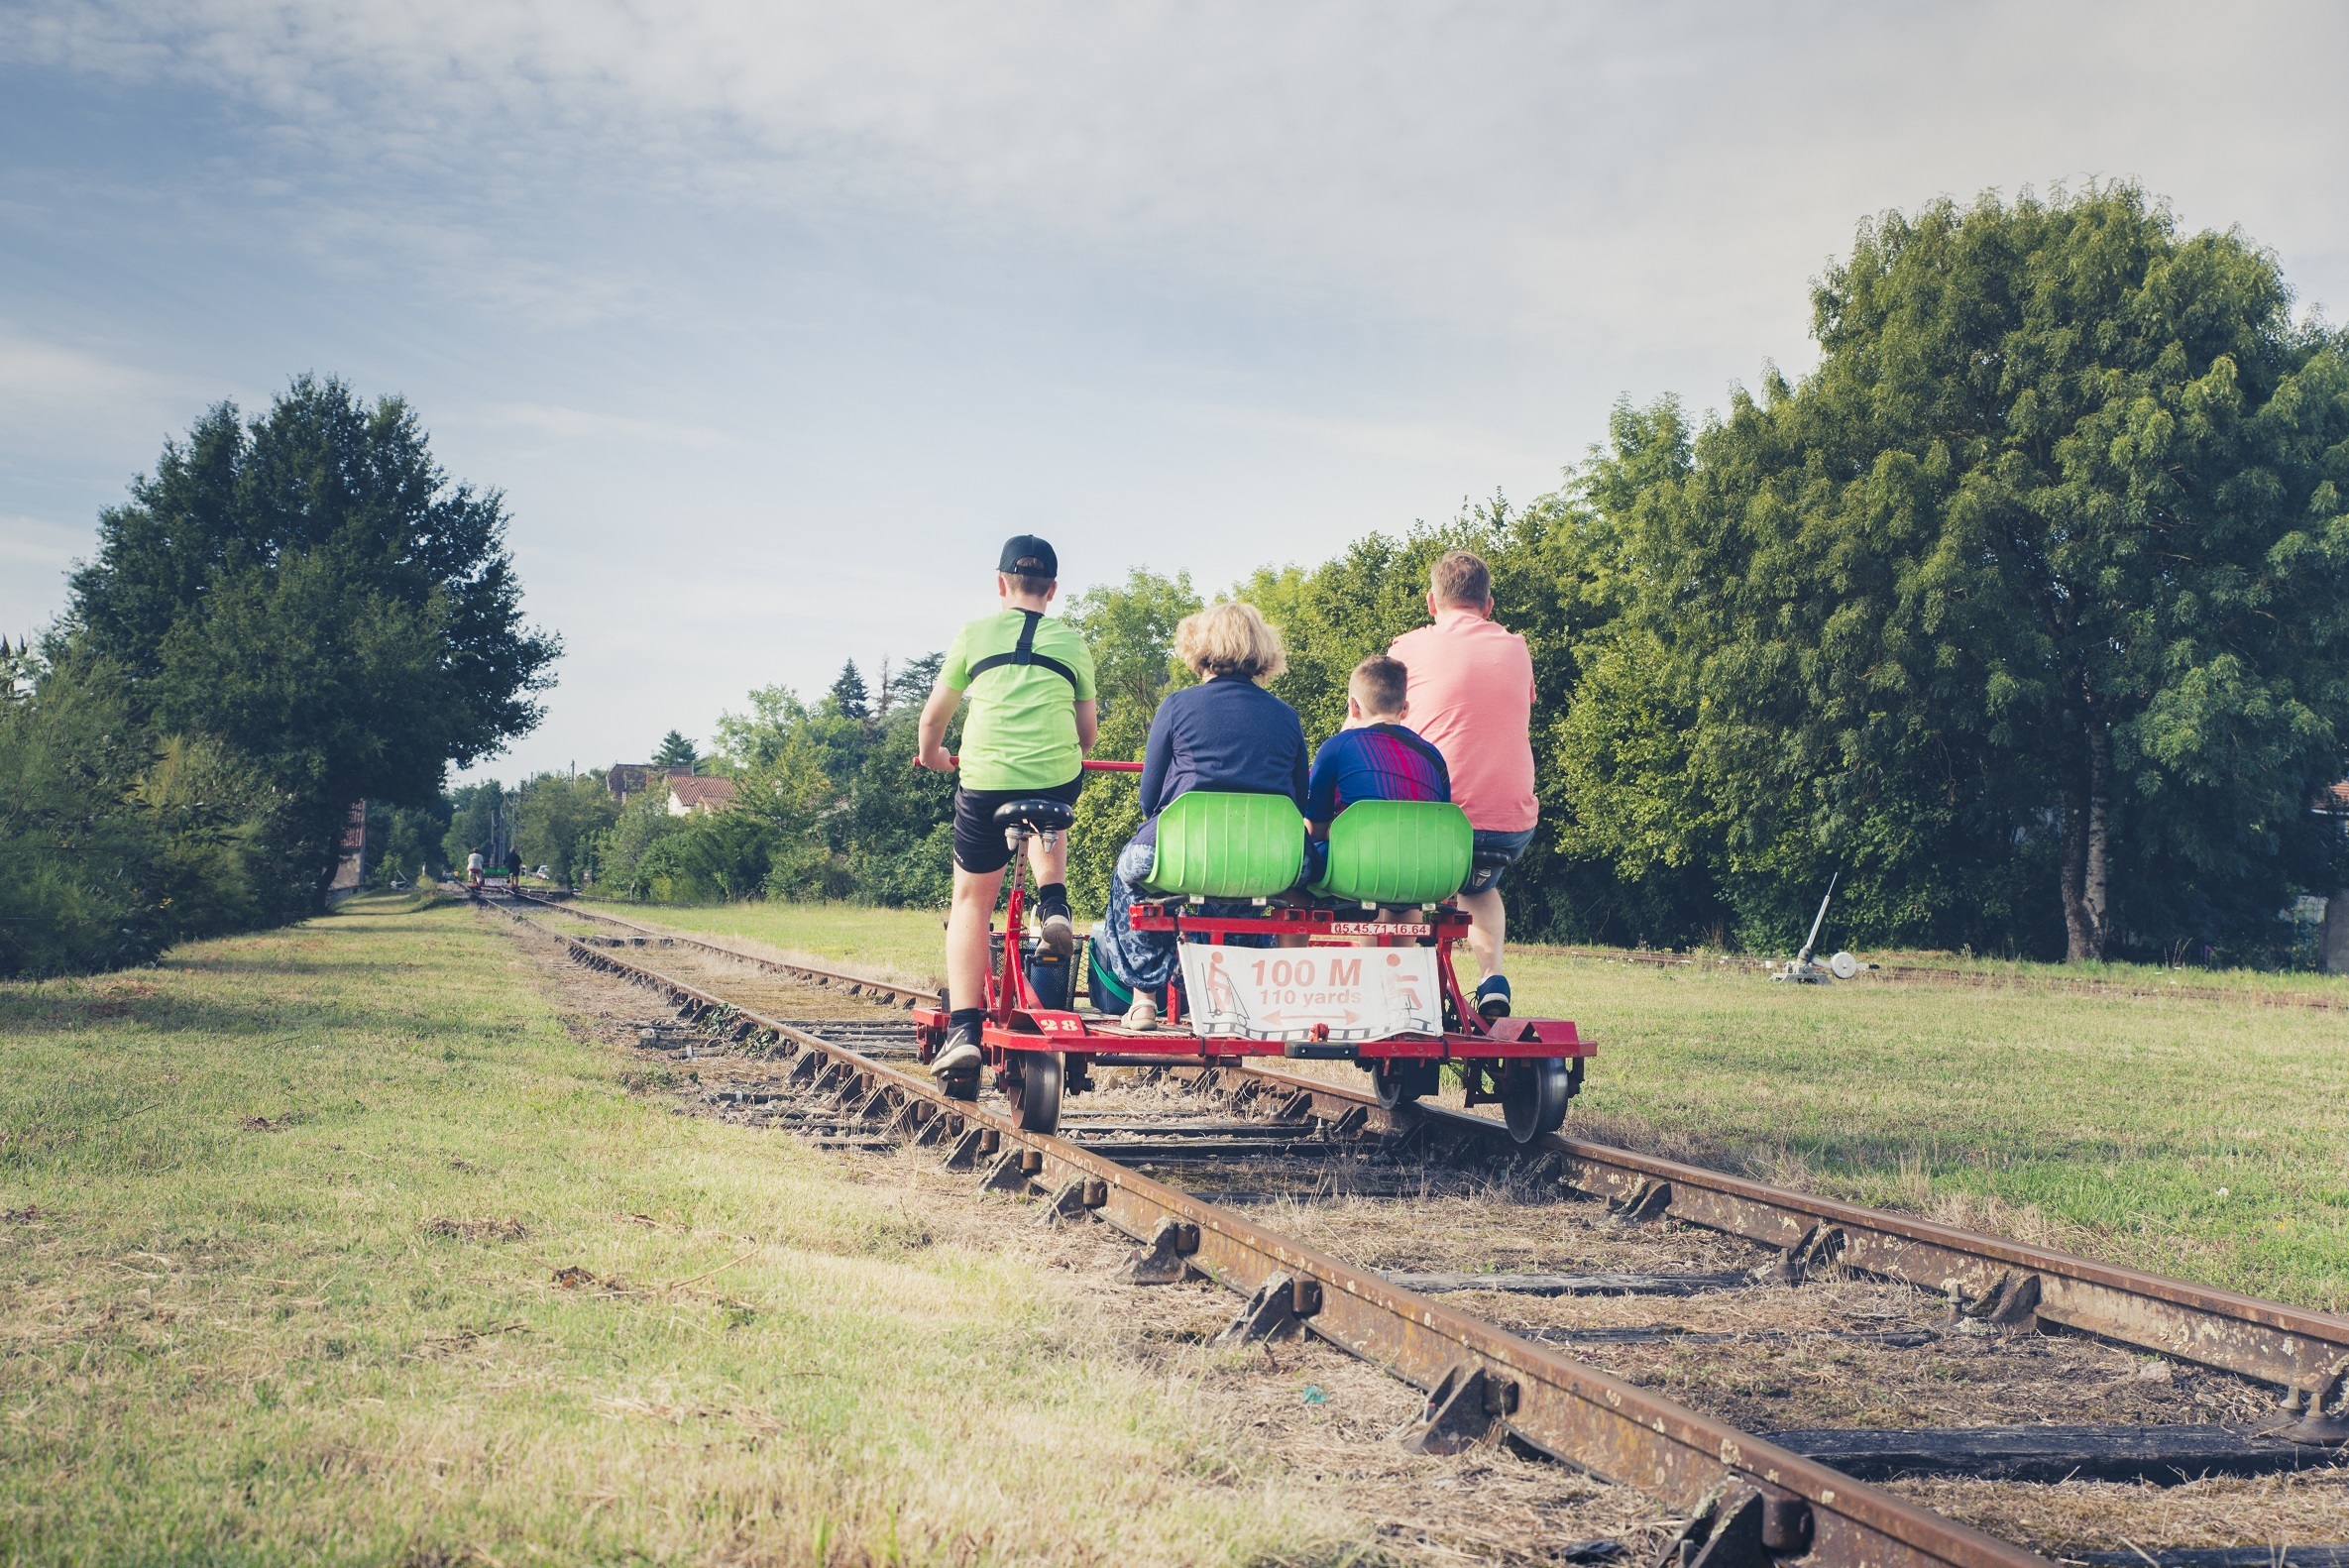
581, 424
42, 380
1600, 176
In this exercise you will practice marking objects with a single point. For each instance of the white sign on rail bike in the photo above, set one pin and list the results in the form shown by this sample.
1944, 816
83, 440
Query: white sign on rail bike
1285, 993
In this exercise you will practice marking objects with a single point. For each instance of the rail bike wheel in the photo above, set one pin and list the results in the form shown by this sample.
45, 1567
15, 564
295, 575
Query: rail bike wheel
1399, 1084
1033, 1085
1534, 1097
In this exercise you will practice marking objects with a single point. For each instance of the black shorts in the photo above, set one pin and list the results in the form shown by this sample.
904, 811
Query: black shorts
978, 842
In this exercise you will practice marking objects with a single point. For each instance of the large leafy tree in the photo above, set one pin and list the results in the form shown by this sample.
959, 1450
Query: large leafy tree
312, 589
2046, 565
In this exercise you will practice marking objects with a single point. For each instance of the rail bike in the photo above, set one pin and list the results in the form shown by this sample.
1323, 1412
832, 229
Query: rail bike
1353, 965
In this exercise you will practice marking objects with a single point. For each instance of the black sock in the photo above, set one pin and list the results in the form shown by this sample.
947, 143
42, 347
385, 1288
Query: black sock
1052, 898
974, 1017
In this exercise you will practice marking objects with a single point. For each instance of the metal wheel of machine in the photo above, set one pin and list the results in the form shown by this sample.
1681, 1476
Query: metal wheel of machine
1399, 1084
1033, 1085
1395, 1085
1534, 1097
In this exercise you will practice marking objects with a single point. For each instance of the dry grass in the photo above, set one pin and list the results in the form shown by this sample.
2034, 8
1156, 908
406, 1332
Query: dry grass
334, 1243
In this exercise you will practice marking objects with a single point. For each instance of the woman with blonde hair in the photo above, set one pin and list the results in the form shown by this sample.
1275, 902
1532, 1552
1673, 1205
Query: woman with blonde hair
1225, 733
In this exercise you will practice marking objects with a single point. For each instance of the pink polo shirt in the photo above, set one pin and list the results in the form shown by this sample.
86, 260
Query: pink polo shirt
1472, 698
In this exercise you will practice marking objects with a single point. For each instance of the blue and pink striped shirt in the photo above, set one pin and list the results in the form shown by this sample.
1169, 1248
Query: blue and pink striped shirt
1375, 762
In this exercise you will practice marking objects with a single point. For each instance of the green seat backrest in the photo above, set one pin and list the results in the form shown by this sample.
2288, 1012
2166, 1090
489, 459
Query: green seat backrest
1217, 845
1398, 851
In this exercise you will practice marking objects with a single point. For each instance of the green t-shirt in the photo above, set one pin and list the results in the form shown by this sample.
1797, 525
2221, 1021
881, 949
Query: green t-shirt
1021, 731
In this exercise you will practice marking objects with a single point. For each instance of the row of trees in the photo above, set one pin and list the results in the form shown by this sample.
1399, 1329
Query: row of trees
289, 615
2027, 612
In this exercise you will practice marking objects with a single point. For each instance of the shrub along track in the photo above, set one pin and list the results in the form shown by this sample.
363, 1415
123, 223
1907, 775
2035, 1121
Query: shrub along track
1870, 1344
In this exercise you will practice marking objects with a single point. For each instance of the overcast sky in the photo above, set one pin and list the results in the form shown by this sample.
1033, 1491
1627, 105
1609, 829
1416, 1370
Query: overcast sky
771, 320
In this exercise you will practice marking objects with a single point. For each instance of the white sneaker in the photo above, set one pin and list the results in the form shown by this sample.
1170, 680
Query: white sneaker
1143, 1015
1054, 932
960, 1053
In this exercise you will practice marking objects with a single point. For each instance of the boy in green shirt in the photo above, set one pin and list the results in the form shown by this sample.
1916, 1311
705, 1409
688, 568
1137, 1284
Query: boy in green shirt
1030, 682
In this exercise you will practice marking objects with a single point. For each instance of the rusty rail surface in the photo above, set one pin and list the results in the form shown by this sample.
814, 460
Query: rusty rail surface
908, 994
2012, 1281
1759, 1502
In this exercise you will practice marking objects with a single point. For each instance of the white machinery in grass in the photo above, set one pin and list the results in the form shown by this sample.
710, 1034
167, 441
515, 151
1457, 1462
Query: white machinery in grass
1802, 971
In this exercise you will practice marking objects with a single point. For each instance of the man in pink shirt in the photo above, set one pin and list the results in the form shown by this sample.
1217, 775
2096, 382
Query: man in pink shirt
1470, 696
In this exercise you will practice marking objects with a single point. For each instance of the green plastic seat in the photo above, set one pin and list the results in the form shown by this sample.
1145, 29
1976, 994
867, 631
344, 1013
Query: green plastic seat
1213, 845
1398, 851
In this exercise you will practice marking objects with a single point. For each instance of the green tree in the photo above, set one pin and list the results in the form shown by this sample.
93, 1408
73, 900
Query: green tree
313, 591
481, 818
675, 751
2035, 583
557, 819
1130, 628
909, 686
849, 699
406, 842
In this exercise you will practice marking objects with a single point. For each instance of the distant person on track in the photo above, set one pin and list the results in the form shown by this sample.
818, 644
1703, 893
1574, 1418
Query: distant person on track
1030, 683
1472, 697
1226, 733
513, 868
473, 868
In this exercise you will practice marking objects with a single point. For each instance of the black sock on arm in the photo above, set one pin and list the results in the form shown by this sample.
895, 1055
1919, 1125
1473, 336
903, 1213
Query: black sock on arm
1052, 896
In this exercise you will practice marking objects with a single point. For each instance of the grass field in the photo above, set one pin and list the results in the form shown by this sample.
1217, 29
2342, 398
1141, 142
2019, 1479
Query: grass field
2208, 1139
285, 1225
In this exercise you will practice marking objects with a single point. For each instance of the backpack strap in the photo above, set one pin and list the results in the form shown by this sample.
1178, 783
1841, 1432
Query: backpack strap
1024, 652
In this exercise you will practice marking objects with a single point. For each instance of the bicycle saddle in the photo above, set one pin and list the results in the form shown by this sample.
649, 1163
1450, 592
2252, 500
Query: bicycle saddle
1485, 859
1038, 816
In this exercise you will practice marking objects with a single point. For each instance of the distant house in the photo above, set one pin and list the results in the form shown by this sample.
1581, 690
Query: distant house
627, 779
689, 794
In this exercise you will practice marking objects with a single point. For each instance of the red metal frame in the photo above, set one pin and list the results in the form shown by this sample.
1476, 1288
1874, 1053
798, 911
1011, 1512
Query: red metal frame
1017, 1020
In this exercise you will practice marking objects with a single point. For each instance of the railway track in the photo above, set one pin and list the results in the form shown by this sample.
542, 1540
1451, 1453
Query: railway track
1567, 1360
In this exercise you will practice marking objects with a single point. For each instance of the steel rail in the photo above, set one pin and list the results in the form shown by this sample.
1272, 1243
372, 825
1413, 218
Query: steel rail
2295, 1348
1568, 1410
908, 996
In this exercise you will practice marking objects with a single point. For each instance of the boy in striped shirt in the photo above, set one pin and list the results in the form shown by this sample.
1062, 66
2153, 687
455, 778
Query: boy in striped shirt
1374, 758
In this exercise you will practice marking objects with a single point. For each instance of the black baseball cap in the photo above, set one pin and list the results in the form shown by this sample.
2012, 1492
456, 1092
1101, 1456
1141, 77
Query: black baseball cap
1026, 553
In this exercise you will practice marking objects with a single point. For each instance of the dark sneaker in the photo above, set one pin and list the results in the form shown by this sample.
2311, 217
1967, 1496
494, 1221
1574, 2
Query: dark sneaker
1491, 996
1056, 933
960, 1053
